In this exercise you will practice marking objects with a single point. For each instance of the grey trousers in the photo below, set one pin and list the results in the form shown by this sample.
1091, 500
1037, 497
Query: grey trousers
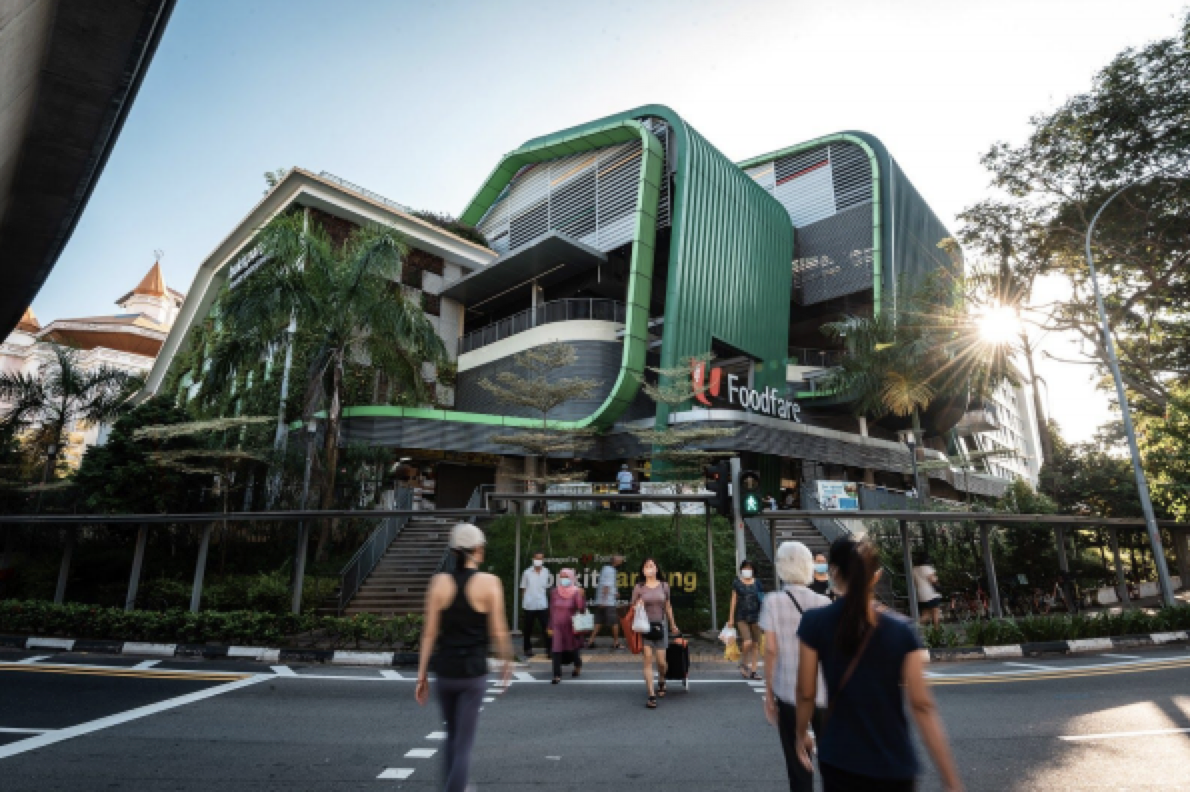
460, 700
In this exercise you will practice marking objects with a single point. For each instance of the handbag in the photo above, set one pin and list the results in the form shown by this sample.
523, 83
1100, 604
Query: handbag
583, 622
635, 644
640, 620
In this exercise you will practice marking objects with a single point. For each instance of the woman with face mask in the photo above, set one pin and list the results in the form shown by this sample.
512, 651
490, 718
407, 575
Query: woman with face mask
566, 599
654, 593
746, 594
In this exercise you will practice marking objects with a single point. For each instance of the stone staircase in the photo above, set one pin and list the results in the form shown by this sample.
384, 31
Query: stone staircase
799, 529
398, 583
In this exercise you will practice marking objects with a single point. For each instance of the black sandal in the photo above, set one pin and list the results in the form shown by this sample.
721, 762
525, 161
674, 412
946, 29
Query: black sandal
556, 680
651, 703
661, 690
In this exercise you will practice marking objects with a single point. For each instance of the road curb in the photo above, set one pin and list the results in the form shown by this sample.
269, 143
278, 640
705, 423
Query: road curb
260, 654
1039, 648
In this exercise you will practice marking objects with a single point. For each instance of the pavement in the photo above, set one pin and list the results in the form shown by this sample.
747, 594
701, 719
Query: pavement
84, 722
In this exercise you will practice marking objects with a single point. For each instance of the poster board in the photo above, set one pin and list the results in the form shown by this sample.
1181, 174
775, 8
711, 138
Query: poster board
838, 495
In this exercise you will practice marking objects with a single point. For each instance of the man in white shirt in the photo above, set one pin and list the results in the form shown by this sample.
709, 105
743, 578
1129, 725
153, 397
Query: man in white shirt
929, 601
535, 584
605, 603
625, 485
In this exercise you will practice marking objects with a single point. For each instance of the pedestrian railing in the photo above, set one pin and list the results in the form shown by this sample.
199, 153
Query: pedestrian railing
546, 313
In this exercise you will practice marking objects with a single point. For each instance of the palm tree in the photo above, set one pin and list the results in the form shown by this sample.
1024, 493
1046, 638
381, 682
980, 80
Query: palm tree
62, 393
348, 307
901, 361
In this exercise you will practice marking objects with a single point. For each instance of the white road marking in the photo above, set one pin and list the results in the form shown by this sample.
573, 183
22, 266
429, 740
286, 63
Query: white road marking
421, 753
31, 660
523, 676
59, 735
488, 700
1121, 735
1122, 657
555, 758
1032, 665
146, 664
436, 736
396, 773
24, 731
284, 671
391, 675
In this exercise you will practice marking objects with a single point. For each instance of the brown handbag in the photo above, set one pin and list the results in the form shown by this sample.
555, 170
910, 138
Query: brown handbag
633, 639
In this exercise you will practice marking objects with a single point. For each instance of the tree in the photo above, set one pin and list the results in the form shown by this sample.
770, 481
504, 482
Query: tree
349, 310
535, 386
61, 394
1165, 447
119, 476
677, 453
900, 361
1130, 124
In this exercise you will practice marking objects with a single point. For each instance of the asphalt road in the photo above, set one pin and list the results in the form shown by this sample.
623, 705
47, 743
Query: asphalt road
71, 722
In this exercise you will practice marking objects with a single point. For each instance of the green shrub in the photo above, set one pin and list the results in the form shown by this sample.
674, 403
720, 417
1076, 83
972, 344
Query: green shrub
993, 632
34, 617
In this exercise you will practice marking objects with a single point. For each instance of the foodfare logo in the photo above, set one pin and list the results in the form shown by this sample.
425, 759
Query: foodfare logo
708, 380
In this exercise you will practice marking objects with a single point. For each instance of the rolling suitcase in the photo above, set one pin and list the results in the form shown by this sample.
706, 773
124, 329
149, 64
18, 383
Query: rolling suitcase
677, 660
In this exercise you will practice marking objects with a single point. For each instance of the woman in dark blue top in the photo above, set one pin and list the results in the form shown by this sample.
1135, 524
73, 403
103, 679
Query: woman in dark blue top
867, 654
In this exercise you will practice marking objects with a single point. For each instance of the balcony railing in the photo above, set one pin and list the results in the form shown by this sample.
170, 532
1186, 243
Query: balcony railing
546, 313
800, 356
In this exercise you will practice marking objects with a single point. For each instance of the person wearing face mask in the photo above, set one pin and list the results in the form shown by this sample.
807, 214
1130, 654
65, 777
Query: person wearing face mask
535, 585
566, 600
821, 584
653, 591
746, 594
464, 614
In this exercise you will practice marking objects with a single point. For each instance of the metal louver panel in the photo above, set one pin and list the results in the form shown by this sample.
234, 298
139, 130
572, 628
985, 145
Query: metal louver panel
804, 186
763, 175
852, 173
590, 197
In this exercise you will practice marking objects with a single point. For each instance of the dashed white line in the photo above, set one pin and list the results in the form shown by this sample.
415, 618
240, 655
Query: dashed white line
1122, 657
31, 660
396, 773
146, 664
1032, 665
284, 671
523, 676
488, 700
421, 753
391, 674
436, 736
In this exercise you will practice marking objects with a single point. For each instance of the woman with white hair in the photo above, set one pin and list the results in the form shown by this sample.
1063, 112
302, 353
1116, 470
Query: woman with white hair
780, 616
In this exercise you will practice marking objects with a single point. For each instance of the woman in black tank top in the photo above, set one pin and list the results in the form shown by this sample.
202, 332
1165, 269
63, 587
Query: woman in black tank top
455, 641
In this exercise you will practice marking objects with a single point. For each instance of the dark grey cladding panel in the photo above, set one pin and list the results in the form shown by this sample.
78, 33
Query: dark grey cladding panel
597, 360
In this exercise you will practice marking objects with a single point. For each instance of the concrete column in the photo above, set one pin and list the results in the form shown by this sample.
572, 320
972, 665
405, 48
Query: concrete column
989, 567
200, 568
138, 559
1121, 582
64, 570
1060, 542
907, 561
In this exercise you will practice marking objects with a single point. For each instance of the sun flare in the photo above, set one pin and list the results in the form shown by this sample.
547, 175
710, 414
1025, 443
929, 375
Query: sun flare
998, 324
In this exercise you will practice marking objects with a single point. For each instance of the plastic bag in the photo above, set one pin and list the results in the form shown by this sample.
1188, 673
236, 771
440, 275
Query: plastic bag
728, 635
583, 622
640, 619
732, 653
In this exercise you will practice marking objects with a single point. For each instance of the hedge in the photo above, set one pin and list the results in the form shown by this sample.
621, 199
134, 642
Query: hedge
998, 632
33, 617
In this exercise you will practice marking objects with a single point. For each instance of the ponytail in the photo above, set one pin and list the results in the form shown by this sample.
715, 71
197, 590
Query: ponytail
857, 564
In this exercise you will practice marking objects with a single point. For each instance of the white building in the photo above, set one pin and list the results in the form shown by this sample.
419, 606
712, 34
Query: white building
1008, 423
129, 341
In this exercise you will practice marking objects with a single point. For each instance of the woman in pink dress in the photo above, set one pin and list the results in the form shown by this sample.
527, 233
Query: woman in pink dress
566, 599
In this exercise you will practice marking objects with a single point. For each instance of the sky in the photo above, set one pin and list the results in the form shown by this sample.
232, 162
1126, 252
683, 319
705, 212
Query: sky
418, 101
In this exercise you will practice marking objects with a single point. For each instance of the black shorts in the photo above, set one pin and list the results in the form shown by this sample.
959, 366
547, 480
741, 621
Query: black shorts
606, 614
930, 604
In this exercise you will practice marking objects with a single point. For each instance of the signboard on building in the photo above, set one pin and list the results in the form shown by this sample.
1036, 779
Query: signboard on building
838, 495
709, 384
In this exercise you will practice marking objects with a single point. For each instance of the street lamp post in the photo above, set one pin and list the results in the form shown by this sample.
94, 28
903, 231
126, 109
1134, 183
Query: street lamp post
51, 453
1142, 485
911, 442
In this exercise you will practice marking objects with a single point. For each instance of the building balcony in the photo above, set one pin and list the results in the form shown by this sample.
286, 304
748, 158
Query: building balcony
599, 310
981, 419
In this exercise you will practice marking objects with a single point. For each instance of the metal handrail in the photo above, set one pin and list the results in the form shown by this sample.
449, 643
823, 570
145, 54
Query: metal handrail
356, 571
547, 313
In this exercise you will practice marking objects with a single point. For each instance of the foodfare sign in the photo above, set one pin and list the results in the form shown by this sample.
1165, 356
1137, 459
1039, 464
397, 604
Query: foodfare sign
709, 381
